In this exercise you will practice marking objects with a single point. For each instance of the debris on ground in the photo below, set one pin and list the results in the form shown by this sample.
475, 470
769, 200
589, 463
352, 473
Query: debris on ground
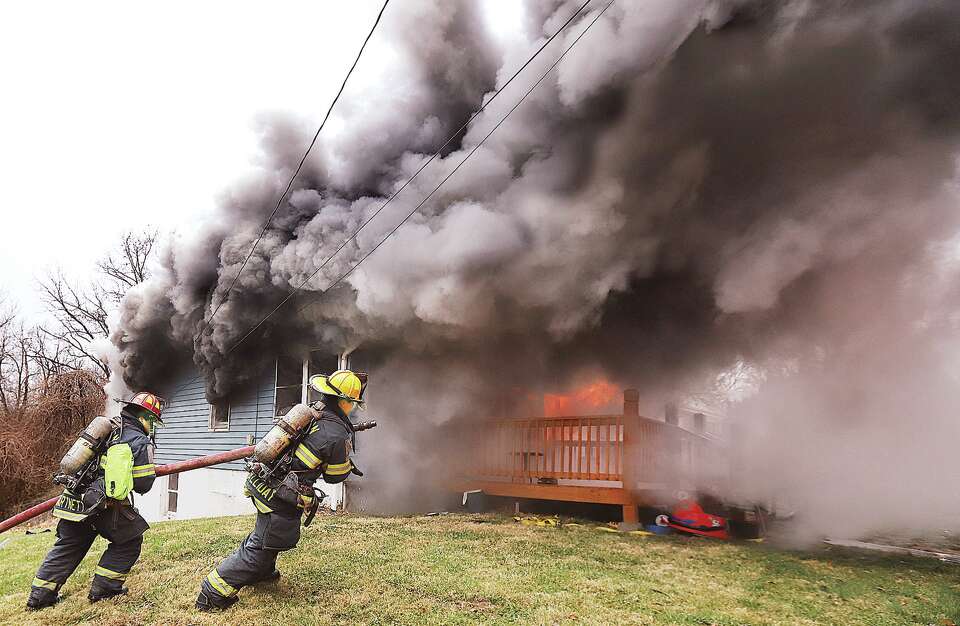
536, 520
946, 557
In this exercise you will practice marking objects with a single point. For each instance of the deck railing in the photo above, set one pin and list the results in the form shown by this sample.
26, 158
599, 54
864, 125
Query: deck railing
610, 459
588, 447
526, 450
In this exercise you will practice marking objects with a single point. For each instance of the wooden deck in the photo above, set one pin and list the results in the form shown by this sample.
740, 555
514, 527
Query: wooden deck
622, 459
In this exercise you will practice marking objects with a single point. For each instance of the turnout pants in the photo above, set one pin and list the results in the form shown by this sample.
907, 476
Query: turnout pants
74, 540
256, 558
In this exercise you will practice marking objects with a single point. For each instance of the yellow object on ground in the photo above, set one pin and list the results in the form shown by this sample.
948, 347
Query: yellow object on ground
534, 520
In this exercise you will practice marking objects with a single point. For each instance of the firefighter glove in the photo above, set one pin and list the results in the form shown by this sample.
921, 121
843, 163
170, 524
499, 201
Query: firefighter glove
305, 501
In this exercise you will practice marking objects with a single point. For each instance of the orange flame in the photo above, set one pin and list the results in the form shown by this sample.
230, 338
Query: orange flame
588, 398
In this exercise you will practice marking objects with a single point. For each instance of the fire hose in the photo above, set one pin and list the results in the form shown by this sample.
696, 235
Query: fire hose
162, 470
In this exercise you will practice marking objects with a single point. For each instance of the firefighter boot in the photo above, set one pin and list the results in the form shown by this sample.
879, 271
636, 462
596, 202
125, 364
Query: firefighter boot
100, 592
208, 602
272, 577
41, 598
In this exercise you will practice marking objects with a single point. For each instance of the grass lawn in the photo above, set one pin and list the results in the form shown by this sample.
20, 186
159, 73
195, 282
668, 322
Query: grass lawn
481, 569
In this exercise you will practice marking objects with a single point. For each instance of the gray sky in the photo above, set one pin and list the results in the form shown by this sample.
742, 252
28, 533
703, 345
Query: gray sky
118, 114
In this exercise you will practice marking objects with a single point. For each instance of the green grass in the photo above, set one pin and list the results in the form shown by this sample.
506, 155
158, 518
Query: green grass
457, 570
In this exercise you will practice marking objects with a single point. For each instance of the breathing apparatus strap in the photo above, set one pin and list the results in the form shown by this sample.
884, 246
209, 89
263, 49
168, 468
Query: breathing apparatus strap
271, 476
314, 507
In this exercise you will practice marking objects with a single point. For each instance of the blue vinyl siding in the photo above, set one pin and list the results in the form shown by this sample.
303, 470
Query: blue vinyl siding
187, 433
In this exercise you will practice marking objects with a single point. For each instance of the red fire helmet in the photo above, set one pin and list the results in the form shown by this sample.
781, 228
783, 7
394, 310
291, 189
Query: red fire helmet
151, 402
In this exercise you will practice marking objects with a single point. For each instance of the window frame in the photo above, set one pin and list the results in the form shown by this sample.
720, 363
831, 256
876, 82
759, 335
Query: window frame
174, 491
211, 422
304, 378
277, 388
306, 371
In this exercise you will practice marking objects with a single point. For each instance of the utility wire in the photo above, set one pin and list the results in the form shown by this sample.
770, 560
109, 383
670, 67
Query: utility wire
340, 278
453, 136
266, 223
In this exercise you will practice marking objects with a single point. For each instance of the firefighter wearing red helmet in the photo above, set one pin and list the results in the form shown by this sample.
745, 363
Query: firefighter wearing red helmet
97, 501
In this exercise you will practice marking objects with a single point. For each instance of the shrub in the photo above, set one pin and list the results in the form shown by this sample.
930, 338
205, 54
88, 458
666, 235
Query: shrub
35, 437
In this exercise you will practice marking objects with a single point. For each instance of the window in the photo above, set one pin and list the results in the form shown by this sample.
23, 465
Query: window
220, 415
320, 363
289, 384
293, 376
173, 490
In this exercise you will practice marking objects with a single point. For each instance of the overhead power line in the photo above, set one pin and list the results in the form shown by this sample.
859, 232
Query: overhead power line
340, 278
296, 173
450, 139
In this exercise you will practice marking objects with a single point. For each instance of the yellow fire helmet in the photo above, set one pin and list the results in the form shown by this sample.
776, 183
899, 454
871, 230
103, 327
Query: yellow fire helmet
343, 384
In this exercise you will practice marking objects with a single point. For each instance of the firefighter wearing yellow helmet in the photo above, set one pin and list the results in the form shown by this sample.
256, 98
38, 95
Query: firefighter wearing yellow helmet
96, 501
322, 449
343, 385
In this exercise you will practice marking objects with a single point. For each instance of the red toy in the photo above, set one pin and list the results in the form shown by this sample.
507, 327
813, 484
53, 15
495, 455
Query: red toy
687, 516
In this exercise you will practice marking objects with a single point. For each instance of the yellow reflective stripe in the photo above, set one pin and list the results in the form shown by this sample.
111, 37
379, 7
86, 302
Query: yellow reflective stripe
70, 517
109, 573
308, 458
220, 584
140, 468
46, 584
144, 472
263, 508
338, 469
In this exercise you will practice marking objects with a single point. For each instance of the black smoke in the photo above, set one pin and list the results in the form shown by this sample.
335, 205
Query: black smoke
699, 184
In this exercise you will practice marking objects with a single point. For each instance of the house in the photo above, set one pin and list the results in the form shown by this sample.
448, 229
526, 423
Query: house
195, 428
617, 458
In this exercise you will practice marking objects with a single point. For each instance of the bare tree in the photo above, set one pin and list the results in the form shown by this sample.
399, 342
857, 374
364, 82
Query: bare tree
17, 372
128, 267
81, 312
52, 356
7, 315
81, 318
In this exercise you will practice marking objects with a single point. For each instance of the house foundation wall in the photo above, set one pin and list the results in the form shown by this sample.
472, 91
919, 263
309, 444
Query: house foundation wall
209, 492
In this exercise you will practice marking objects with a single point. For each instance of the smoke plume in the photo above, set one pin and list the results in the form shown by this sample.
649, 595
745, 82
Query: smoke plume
700, 183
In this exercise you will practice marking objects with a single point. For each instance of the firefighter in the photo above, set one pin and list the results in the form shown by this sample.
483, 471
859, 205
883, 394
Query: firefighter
325, 451
127, 464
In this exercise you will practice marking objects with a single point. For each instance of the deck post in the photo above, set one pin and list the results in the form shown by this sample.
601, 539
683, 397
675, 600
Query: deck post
631, 443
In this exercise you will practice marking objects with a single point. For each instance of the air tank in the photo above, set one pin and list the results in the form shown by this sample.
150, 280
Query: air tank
287, 427
83, 448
